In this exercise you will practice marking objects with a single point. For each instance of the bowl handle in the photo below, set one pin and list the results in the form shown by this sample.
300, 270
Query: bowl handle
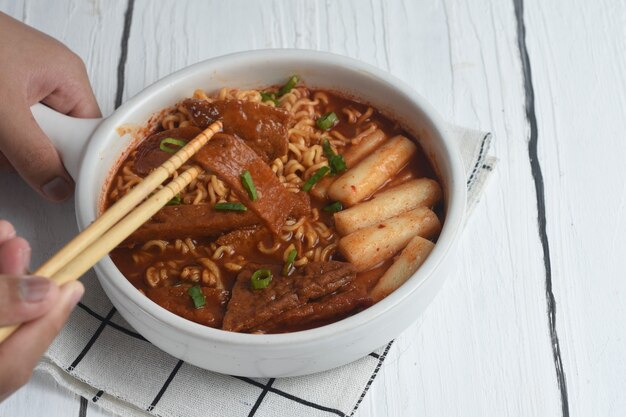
69, 135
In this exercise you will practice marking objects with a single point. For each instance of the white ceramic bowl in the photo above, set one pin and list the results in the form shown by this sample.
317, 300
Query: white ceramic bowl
90, 148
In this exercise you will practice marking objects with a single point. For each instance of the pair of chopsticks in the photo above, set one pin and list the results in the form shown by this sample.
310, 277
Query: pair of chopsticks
121, 219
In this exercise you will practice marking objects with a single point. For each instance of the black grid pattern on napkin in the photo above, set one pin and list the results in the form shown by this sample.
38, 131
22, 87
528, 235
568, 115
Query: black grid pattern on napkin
166, 385
485, 142
266, 388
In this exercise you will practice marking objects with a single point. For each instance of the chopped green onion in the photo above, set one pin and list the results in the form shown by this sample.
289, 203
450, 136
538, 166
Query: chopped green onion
336, 162
289, 86
265, 96
171, 141
333, 207
261, 279
327, 121
288, 267
315, 178
195, 292
175, 201
248, 184
230, 207
328, 150
269, 97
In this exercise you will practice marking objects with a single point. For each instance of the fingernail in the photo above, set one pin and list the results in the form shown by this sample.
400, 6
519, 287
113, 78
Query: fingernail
34, 289
58, 189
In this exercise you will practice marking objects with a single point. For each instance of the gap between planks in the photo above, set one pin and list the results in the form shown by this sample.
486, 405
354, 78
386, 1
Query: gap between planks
541, 205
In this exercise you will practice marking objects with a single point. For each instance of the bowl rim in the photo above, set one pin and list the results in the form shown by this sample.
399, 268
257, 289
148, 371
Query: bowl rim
454, 214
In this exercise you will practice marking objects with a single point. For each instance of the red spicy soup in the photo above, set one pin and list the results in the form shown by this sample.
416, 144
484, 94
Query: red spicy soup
277, 263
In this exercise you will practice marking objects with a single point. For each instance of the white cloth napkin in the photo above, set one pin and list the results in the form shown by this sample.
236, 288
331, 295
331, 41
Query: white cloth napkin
100, 357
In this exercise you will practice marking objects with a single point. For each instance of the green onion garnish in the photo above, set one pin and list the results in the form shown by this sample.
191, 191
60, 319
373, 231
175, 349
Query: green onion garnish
289, 86
288, 267
175, 201
261, 279
265, 96
327, 121
195, 292
248, 184
336, 162
269, 97
315, 178
333, 207
171, 141
230, 207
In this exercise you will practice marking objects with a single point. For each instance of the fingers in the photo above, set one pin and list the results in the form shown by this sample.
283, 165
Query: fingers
75, 97
37, 68
14, 256
5, 165
25, 298
14, 251
7, 231
21, 351
21, 298
32, 155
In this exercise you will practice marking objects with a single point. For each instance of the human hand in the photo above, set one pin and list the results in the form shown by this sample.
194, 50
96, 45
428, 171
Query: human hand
35, 301
37, 68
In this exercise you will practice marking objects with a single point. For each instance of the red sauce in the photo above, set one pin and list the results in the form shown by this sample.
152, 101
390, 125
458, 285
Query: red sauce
135, 269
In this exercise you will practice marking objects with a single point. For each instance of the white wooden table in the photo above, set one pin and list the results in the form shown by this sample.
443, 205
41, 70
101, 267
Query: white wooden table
532, 322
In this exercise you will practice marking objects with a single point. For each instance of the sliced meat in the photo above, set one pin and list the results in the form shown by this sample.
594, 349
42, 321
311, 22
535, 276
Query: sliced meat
263, 128
194, 221
348, 300
178, 301
237, 237
328, 309
250, 308
246, 241
229, 157
202, 220
149, 154
301, 204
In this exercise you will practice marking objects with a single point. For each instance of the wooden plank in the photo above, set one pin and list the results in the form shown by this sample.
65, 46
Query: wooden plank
42, 396
578, 66
92, 30
483, 346
470, 70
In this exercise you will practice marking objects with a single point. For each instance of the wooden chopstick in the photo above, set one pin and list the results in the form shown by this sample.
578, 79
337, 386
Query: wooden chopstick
121, 219
126, 204
114, 236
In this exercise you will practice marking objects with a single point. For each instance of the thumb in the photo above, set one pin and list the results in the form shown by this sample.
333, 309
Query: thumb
32, 154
